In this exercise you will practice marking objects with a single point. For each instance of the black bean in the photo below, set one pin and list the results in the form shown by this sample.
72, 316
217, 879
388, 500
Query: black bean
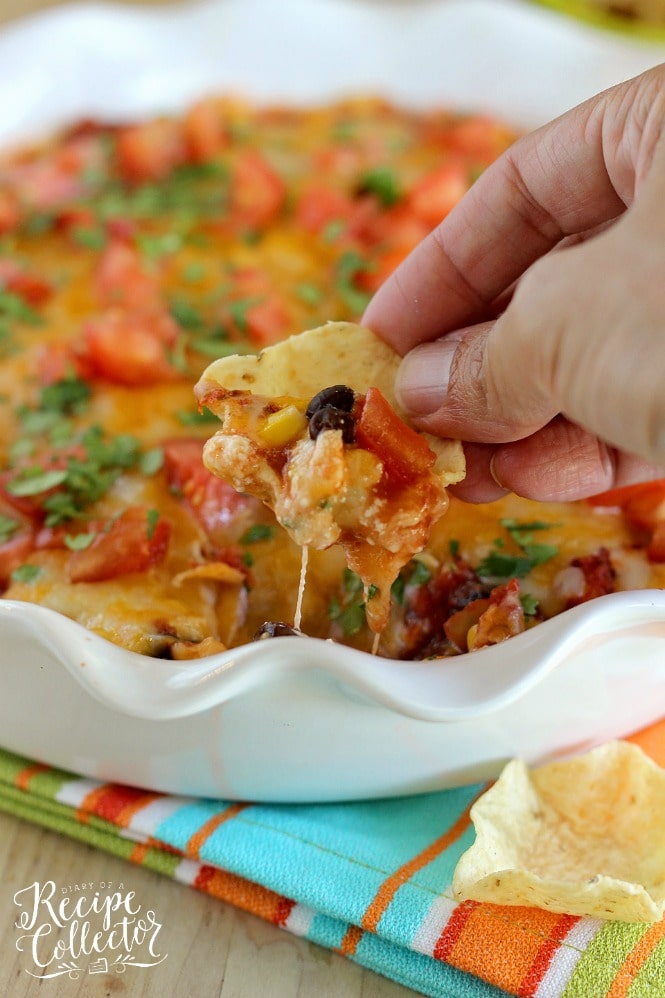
338, 396
275, 629
330, 418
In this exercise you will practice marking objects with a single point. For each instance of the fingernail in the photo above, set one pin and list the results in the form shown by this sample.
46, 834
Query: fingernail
422, 378
492, 467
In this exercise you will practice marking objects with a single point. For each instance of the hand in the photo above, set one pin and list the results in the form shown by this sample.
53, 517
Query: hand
535, 313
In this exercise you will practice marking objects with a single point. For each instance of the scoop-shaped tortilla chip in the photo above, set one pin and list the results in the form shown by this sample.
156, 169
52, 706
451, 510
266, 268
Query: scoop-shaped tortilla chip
337, 353
378, 499
583, 836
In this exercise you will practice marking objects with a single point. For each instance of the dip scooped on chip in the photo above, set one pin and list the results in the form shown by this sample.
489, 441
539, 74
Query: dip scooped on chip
311, 426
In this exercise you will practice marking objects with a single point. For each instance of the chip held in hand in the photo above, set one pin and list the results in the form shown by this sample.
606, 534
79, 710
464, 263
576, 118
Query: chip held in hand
583, 836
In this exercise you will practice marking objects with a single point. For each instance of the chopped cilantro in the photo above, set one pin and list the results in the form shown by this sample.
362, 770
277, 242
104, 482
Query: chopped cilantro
333, 230
196, 418
193, 272
309, 293
247, 559
529, 604
155, 246
453, 547
349, 266
219, 347
153, 519
39, 223
257, 532
79, 542
351, 618
501, 565
31, 481
397, 590
151, 461
186, 315
497, 565
85, 478
13, 307
420, 574
25, 573
352, 583
8, 527
382, 183
68, 396
239, 308
90, 237
343, 131
372, 592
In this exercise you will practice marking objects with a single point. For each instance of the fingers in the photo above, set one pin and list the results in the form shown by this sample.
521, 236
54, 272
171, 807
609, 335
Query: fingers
573, 175
559, 463
477, 384
583, 336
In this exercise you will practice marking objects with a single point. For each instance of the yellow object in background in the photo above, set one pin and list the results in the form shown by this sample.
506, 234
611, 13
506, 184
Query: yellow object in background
643, 19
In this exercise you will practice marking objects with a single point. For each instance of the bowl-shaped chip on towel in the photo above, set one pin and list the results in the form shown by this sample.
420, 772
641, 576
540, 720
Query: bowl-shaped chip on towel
312, 427
583, 836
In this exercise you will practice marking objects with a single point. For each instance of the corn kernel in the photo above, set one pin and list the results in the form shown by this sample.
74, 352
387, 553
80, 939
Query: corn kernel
282, 426
471, 637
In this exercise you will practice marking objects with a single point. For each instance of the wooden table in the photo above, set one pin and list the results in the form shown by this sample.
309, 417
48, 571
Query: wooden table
213, 949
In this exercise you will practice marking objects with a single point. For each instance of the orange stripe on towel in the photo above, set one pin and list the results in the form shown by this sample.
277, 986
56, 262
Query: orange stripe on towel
23, 778
200, 837
453, 930
635, 960
543, 958
392, 884
502, 944
243, 894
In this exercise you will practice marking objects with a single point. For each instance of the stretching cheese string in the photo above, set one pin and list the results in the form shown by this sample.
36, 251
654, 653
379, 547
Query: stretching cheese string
301, 587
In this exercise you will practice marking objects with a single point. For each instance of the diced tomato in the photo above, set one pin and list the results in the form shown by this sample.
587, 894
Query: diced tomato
15, 552
318, 206
122, 229
216, 505
503, 618
656, 546
341, 160
405, 453
150, 151
479, 138
48, 181
267, 321
129, 348
257, 190
59, 360
205, 134
619, 496
68, 220
458, 625
437, 193
599, 576
130, 543
399, 227
123, 278
10, 212
384, 265
34, 290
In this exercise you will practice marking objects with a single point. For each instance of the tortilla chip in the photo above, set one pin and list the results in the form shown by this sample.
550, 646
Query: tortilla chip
337, 353
583, 836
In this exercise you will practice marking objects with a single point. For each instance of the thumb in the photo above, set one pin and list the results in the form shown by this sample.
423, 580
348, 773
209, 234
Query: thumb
582, 336
476, 384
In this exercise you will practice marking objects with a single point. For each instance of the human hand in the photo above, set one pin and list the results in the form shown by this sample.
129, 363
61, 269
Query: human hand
533, 317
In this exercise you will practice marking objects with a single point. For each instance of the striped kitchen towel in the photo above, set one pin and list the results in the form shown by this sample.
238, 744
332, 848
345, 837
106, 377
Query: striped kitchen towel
370, 880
